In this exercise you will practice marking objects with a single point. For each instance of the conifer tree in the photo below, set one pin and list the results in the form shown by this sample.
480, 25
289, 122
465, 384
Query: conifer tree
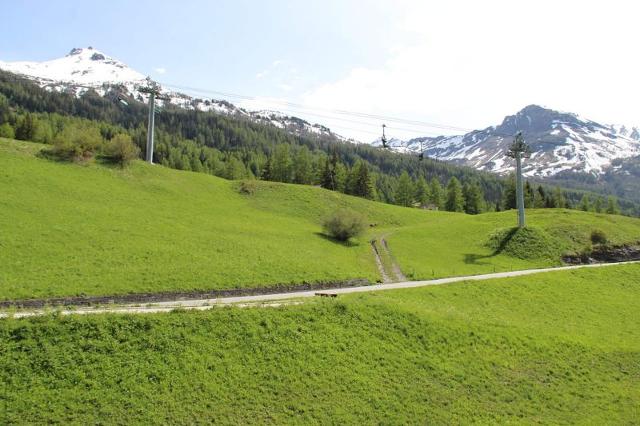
360, 182
473, 198
455, 197
281, 165
436, 193
422, 192
266, 171
597, 205
539, 198
559, 201
509, 194
585, 203
328, 179
404, 193
302, 169
612, 205
26, 129
529, 196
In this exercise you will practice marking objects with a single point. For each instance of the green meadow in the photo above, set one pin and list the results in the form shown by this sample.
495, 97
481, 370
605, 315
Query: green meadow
554, 348
91, 229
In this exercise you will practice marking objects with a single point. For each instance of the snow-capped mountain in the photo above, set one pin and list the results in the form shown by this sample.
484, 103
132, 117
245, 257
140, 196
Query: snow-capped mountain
559, 142
80, 66
84, 69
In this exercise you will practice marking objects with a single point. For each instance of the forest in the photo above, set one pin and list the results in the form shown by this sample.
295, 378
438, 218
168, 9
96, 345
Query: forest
238, 147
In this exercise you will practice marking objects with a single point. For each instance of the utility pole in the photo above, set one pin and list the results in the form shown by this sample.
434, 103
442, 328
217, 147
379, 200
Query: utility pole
153, 89
519, 150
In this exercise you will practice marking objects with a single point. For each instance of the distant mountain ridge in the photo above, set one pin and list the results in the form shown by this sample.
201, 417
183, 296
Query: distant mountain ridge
560, 142
85, 69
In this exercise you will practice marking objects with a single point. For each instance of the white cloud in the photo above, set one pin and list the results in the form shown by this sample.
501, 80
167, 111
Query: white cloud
160, 70
470, 63
286, 87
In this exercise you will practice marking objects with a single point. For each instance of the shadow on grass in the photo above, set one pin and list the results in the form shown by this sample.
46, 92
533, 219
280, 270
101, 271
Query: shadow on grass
347, 243
476, 259
504, 241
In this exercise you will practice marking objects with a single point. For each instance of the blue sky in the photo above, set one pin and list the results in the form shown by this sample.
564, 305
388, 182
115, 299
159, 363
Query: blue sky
219, 44
460, 62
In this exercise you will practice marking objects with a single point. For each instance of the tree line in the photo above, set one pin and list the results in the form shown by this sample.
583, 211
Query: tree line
235, 147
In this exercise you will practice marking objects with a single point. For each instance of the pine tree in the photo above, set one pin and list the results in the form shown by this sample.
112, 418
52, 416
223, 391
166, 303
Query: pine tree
360, 182
404, 193
529, 196
340, 173
235, 169
422, 192
612, 205
539, 198
266, 171
302, 169
597, 206
281, 165
473, 198
436, 194
328, 179
509, 194
455, 197
585, 203
559, 201
26, 129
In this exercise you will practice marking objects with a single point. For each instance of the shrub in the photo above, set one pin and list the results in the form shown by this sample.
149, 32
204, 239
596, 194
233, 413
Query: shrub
598, 237
6, 131
121, 150
248, 187
344, 224
76, 144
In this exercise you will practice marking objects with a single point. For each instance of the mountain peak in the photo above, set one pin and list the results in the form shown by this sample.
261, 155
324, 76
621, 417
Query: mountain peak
82, 65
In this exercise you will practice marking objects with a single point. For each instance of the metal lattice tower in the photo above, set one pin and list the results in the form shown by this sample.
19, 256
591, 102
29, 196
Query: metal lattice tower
519, 150
384, 137
153, 90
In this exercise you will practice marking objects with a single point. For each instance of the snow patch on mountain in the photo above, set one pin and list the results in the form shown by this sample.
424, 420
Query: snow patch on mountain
84, 69
560, 142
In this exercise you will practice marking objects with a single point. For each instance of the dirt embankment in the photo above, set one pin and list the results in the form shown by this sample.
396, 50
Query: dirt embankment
171, 296
604, 254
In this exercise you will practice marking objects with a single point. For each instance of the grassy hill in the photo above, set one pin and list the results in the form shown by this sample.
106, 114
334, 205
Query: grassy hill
70, 229
555, 348
92, 229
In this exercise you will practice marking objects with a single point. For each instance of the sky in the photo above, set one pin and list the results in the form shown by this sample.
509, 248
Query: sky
455, 63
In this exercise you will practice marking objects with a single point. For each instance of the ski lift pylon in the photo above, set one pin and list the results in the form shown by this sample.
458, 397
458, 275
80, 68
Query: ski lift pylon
384, 137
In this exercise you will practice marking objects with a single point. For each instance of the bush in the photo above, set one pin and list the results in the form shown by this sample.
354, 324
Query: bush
6, 131
76, 144
598, 237
248, 187
121, 150
344, 224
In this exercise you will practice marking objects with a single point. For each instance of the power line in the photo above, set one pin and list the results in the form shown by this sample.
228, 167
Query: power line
325, 110
307, 109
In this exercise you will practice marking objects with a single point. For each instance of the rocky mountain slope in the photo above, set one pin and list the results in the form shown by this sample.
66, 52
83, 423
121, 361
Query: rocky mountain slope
560, 142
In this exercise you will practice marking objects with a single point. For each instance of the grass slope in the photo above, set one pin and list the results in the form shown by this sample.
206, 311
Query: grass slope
554, 348
69, 229
454, 244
